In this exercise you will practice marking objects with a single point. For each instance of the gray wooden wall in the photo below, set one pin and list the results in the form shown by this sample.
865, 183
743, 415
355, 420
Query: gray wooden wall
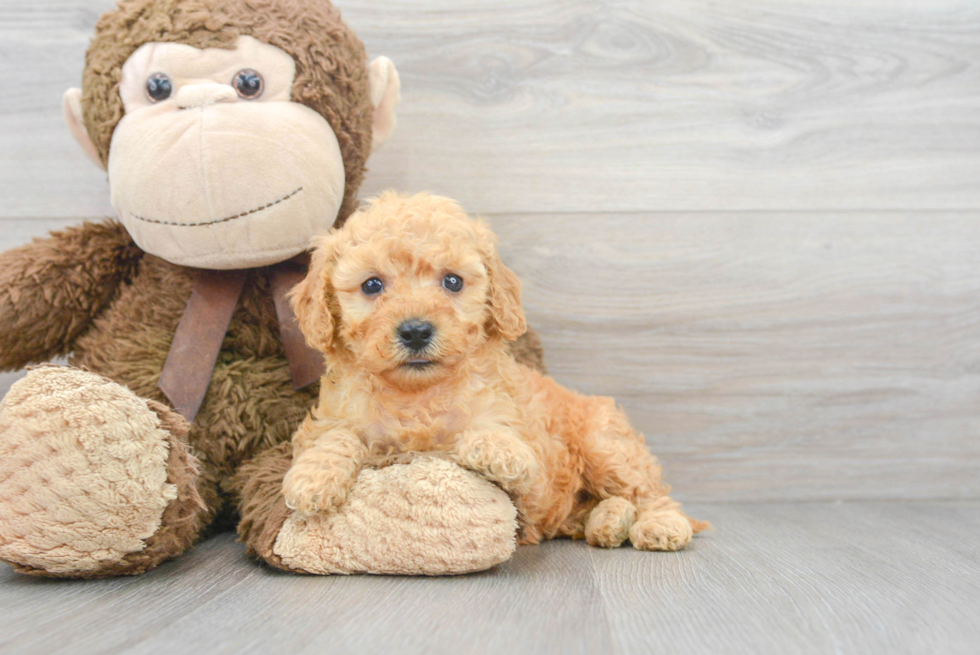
756, 223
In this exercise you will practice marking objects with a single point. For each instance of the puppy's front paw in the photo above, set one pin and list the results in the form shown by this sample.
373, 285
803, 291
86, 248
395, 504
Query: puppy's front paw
309, 488
499, 457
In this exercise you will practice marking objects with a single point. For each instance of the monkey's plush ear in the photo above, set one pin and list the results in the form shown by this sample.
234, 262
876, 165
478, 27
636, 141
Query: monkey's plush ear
385, 95
506, 312
72, 106
310, 299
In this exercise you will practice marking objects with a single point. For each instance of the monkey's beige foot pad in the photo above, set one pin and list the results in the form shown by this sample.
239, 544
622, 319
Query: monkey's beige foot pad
427, 517
83, 472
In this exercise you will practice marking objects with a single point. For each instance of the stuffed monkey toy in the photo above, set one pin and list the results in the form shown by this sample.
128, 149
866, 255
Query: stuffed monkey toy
232, 131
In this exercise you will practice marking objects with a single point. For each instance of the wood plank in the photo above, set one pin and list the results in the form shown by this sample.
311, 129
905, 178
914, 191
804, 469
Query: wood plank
576, 105
484, 613
631, 105
43, 172
16, 232
771, 356
214, 600
804, 578
7, 379
773, 578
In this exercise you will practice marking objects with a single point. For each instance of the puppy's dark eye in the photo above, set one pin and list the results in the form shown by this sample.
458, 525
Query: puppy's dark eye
452, 282
248, 83
373, 287
159, 87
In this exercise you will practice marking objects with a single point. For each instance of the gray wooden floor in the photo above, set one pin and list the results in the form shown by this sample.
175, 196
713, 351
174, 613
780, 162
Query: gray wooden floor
773, 578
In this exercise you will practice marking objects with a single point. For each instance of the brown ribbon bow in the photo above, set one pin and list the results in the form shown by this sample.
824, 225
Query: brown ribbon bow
201, 331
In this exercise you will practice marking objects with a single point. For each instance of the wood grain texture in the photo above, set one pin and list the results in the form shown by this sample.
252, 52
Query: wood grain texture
43, 172
579, 105
7, 379
771, 355
804, 578
214, 600
781, 578
766, 356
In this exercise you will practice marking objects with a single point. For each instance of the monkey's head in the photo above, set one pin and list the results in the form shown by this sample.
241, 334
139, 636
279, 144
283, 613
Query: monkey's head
232, 130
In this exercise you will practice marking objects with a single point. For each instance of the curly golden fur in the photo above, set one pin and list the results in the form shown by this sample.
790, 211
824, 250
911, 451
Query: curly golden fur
572, 463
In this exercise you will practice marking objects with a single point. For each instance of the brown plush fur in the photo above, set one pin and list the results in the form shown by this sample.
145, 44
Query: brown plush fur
251, 404
331, 63
558, 453
259, 482
52, 289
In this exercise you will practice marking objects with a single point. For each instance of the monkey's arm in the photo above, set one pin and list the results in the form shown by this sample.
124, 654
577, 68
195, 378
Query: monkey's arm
52, 289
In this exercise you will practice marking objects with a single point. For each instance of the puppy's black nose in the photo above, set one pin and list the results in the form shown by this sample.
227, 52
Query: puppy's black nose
415, 334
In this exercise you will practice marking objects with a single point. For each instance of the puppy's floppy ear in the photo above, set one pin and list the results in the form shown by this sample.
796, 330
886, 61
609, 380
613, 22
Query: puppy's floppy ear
311, 298
504, 296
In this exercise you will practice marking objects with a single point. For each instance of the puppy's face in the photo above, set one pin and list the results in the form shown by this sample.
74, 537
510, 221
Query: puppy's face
409, 288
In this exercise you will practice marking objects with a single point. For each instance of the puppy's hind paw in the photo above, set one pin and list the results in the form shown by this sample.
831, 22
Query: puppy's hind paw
610, 522
500, 458
670, 531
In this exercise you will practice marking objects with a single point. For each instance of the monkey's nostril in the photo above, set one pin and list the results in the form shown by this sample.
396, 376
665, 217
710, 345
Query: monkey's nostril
415, 334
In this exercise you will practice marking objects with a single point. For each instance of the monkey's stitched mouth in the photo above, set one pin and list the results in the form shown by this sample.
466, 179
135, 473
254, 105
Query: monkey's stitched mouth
220, 220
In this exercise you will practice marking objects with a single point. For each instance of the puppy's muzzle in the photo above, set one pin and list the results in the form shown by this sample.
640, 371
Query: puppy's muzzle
416, 335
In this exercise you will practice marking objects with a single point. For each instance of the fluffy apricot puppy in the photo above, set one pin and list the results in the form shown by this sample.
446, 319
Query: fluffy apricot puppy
412, 307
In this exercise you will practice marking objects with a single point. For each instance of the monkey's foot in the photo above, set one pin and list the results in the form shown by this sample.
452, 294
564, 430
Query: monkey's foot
426, 517
94, 481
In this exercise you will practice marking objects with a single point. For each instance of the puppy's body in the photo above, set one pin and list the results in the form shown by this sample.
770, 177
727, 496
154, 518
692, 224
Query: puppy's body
420, 366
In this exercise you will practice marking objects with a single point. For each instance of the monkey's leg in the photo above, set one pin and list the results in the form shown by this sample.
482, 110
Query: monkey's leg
94, 481
424, 517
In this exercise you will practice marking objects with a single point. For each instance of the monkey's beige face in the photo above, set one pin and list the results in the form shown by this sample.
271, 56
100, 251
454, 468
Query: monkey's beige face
411, 294
212, 165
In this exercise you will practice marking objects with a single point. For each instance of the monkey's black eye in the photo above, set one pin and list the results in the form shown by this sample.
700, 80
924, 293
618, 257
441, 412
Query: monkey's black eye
248, 83
158, 87
373, 287
452, 282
